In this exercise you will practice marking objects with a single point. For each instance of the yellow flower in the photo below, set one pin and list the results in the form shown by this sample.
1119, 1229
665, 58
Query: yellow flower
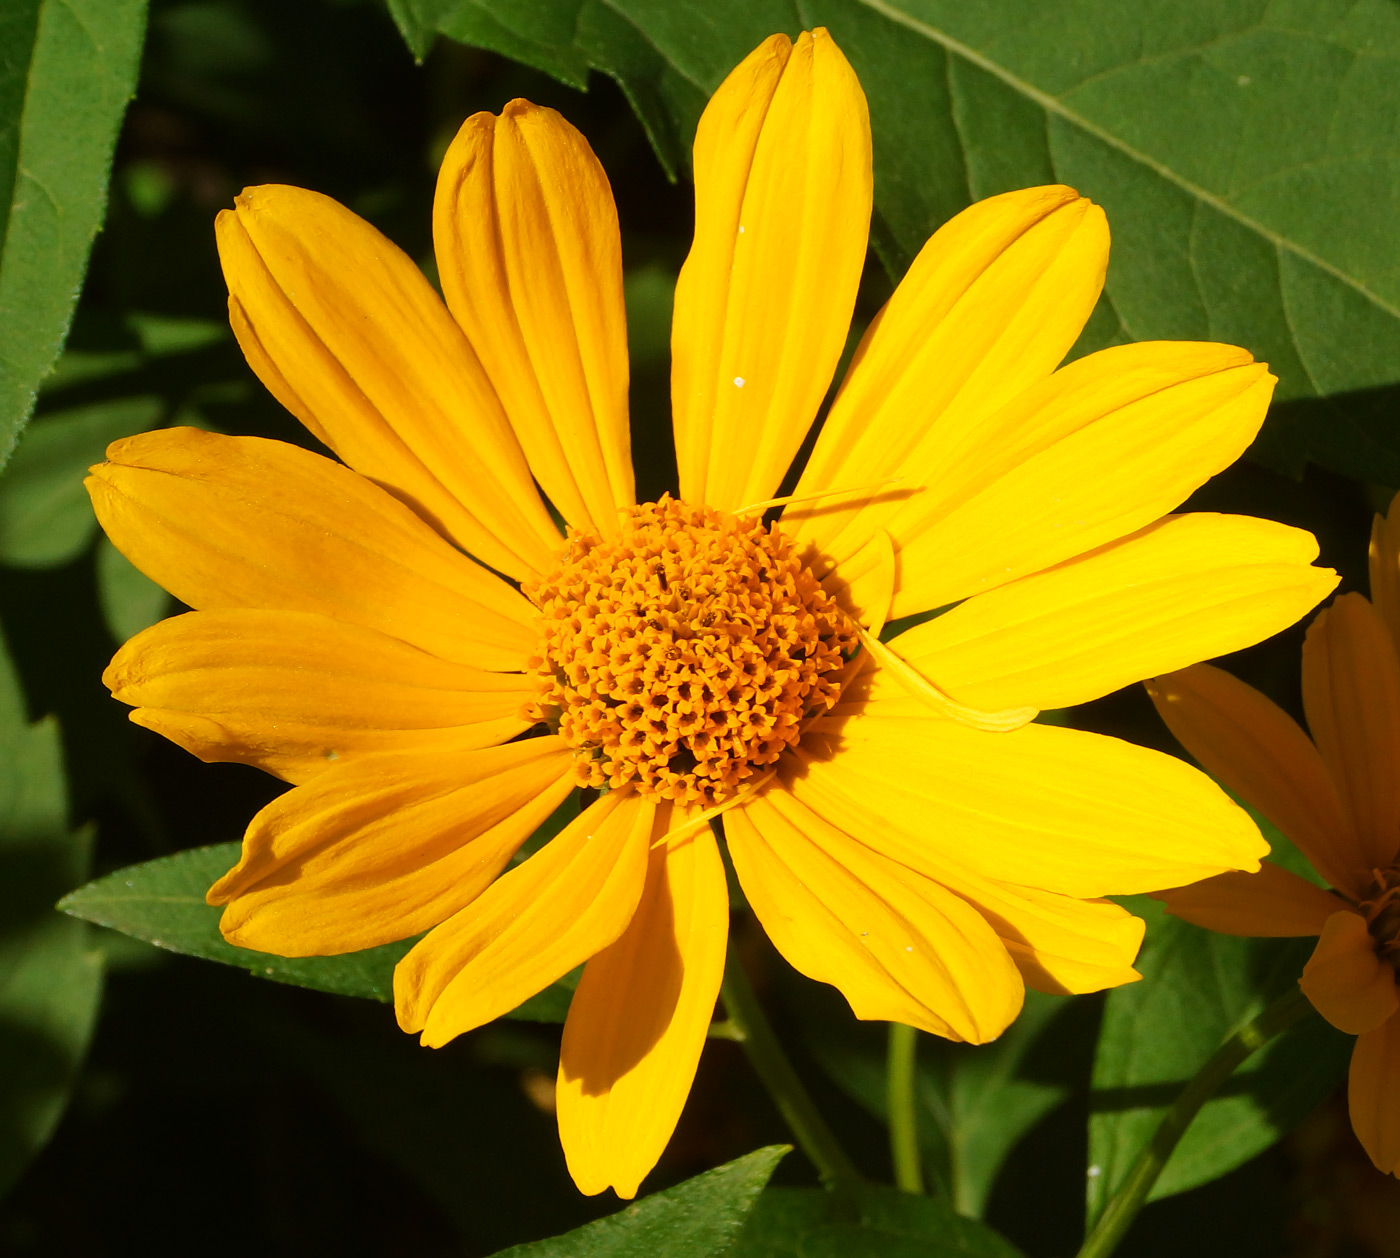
1337, 797
899, 828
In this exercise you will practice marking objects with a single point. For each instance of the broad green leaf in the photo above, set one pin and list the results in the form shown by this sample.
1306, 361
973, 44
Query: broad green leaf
874, 1222
697, 1219
162, 902
1245, 154
50, 970
45, 516
567, 39
67, 70
1197, 988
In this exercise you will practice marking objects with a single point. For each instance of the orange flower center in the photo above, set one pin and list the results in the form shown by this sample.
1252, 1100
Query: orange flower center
684, 654
1383, 914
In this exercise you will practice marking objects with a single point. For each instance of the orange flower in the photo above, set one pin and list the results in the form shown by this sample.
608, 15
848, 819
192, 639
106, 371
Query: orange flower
899, 826
1337, 797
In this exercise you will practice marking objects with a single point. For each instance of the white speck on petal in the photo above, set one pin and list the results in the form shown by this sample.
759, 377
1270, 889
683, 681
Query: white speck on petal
738, 382
910, 948
741, 229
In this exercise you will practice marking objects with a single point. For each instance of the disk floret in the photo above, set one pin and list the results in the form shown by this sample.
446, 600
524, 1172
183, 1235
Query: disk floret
686, 653
1383, 914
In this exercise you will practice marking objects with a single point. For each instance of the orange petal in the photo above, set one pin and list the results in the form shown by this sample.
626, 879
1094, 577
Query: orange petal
1269, 903
990, 306
896, 944
1245, 740
639, 1019
763, 303
225, 522
347, 334
294, 693
388, 845
1351, 694
530, 259
1373, 1094
565, 904
1346, 981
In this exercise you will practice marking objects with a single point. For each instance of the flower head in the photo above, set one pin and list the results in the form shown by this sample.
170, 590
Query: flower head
1337, 797
408, 637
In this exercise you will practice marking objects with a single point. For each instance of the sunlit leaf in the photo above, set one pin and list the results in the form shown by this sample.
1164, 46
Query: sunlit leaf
67, 70
697, 1219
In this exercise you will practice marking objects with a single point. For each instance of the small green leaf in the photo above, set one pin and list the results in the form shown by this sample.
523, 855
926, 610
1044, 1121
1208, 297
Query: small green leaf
1197, 988
162, 902
697, 1219
130, 600
45, 516
50, 971
874, 1222
67, 70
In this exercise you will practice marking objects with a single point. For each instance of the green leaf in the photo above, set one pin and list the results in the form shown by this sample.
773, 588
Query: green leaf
973, 1103
67, 70
1197, 988
45, 517
162, 902
50, 972
1245, 155
130, 600
878, 1223
697, 1219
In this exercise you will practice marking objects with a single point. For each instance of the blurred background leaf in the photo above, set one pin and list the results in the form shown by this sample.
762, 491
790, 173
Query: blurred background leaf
50, 969
67, 70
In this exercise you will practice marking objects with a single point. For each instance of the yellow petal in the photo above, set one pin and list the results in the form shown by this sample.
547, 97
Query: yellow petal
294, 693
1187, 588
225, 522
1060, 944
388, 845
897, 945
1269, 903
530, 260
1373, 1094
565, 904
1041, 806
1245, 740
639, 1019
347, 334
864, 584
1385, 568
1346, 981
1351, 695
763, 303
990, 306
1102, 448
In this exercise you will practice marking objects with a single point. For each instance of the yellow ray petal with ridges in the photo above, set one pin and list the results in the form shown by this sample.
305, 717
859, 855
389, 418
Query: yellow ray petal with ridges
533, 925
383, 847
864, 584
530, 260
639, 1019
764, 300
990, 306
1098, 451
1346, 981
1269, 903
348, 335
1384, 564
1245, 740
1184, 589
225, 522
1373, 1094
294, 693
1351, 695
1041, 806
899, 946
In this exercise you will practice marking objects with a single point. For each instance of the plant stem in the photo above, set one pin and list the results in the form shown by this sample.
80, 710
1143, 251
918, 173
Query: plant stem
1123, 1208
899, 1108
753, 1030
